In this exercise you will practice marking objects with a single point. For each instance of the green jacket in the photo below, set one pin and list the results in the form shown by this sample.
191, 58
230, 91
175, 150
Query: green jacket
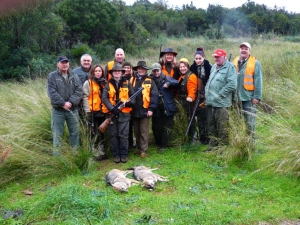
221, 85
243, 94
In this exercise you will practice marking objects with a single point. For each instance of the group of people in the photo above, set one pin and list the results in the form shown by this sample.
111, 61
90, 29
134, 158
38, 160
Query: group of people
130, 97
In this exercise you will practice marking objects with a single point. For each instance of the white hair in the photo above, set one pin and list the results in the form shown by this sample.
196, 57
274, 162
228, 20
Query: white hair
84, 55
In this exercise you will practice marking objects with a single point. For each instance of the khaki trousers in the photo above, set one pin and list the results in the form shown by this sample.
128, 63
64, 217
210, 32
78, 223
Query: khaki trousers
141, 133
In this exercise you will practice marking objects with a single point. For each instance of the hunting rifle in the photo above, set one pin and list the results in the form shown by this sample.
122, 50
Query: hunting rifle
119, 105
199, 88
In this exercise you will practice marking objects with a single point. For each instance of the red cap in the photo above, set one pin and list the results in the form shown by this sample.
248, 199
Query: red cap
219, 52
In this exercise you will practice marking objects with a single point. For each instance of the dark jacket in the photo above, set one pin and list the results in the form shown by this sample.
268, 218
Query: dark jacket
82, 74
207, 68
166, 103
61, 91
138, 110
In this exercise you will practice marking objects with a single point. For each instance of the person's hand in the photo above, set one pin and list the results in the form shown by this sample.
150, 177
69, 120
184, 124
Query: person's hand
149, 113
115, 111
128, 104
166, 85
88, 116
189, 99
255, 101
67, 105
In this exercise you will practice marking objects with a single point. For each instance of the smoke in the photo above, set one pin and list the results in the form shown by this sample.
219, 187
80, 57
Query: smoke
11, 5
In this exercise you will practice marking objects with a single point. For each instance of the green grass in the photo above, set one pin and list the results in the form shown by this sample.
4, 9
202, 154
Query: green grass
201, 190
234, 185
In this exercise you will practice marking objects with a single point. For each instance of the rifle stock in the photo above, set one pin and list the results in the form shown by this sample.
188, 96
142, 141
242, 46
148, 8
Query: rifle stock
105, 123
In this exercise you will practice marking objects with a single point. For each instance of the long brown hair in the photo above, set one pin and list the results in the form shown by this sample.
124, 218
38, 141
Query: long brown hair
92, 72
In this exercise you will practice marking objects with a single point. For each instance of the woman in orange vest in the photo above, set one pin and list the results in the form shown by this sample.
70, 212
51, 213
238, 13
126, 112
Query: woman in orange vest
168, 63
187, 93
118, 90
93, 107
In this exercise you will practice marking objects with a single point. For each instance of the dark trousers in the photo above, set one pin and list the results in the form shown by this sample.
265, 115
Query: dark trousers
217, 125
97, 136
162, 129
118, 132
130, 136
202, 125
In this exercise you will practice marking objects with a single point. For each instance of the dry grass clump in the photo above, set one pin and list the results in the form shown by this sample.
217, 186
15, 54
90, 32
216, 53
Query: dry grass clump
4, 154
180, 125
26, 128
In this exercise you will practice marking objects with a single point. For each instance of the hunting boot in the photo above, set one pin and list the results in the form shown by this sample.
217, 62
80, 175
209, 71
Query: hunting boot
99, 153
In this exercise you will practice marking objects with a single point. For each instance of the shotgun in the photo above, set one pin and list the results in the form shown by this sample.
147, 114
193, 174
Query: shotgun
119, 105
159, 52
199, 88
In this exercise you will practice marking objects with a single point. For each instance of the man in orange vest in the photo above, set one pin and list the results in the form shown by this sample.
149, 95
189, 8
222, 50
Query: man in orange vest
145, 103
119, 59
249, 85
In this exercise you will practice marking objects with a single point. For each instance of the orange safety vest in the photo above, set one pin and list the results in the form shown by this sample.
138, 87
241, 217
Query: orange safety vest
165, 71
123, 95
109, 67
249, 72
94, 98
146, 91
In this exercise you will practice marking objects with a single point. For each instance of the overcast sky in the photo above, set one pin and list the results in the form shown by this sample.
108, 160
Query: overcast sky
290, 5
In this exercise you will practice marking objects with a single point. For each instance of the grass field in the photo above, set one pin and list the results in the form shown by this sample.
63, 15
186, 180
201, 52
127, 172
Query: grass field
204, 188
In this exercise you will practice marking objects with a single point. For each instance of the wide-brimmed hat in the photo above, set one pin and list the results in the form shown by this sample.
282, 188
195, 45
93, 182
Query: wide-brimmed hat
167, 50
116, 67
141, 64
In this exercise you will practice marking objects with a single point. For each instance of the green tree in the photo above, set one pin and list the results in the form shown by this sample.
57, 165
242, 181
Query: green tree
89, 21
281, 25
214, 14
23, 35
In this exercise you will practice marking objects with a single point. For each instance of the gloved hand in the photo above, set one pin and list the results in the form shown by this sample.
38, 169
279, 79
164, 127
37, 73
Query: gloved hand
189, 99
128, 104
115, 111
88, 116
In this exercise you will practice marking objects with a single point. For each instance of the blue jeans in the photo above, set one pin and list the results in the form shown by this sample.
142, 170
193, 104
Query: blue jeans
249, 112
59, 117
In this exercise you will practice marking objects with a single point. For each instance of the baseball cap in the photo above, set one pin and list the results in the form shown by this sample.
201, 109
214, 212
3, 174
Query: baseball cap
219, 52
246, 44
156, 66
62, 58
